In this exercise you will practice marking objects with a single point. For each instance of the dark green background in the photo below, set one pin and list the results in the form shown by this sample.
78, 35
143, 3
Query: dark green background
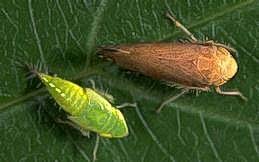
64, 34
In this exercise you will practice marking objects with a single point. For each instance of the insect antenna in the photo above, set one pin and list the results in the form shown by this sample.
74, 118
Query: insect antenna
101, 51
31, 72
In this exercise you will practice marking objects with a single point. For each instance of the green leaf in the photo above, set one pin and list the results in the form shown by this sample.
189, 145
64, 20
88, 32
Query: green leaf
63, 35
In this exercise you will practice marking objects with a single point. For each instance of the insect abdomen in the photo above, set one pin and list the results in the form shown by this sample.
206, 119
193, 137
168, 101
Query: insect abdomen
103, 118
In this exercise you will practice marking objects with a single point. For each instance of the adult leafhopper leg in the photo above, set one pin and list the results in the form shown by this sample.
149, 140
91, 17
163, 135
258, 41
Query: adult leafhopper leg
179, 25
171, 99
211, 42
230, 93
194, 39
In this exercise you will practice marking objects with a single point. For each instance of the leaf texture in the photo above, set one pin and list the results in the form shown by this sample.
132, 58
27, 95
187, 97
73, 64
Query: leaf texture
63, 36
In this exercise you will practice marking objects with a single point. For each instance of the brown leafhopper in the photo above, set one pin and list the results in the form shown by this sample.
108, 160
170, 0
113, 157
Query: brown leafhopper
190, 65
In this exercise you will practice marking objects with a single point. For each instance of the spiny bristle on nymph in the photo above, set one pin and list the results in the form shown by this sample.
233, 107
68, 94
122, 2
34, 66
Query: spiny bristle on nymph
31, 70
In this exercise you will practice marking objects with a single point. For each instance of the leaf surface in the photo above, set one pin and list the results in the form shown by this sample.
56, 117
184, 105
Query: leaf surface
63, 35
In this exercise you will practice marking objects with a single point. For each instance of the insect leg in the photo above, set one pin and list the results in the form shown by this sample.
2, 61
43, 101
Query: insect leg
106, 95
96, 147
211, 42
171, 99
66, 122
179, 25
126, 105
92, 83
230, 93
74, 125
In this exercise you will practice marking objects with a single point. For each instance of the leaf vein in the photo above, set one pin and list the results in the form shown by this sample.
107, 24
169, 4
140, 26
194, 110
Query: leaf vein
153, 136
209, 139
35, 32
251, 132
95, 28
211, 17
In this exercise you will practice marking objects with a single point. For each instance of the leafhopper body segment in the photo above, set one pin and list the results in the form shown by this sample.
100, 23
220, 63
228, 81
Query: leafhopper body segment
86, 108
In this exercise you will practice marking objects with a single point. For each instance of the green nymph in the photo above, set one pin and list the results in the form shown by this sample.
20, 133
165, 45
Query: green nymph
86, 108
